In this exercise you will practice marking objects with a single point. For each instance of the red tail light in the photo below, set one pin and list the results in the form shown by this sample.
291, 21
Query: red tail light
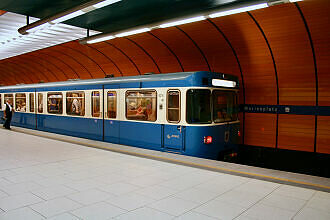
239, 133
207, 139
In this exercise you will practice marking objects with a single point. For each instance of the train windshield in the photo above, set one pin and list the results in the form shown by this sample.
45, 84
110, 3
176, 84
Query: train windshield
199, 106
225, 107
203, 107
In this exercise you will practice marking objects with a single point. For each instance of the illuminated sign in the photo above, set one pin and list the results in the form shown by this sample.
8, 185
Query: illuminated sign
223, 83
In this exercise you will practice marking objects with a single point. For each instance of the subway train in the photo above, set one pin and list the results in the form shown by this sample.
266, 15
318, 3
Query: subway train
190, 113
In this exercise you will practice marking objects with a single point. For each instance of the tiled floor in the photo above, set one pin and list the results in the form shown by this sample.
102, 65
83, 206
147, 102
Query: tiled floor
48, 179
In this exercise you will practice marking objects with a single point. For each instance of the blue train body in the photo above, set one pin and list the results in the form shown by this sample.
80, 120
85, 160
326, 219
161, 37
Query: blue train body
181, 137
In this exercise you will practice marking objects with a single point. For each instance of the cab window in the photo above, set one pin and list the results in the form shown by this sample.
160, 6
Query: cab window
55, 103
225, 106
20, 104
199, 106
141, 105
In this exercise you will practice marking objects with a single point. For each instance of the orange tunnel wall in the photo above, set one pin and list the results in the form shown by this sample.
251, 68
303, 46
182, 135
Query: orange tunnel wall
281, 55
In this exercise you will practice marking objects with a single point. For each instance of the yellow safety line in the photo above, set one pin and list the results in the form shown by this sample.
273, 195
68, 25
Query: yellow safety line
181, 162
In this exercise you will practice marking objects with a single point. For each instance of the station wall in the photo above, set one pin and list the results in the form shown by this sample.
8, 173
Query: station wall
281, 55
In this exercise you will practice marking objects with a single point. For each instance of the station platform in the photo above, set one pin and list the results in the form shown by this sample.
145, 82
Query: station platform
51, 176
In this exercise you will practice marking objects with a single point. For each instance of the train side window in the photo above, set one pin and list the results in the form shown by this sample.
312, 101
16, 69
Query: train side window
173, 106
55, 103
95, 104
9, 97
31, 98
0, 101
112, 104
40, 103
141, 105
75, 103
20, 102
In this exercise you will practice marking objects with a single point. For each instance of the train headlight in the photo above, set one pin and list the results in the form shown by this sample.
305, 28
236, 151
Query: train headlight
207, 139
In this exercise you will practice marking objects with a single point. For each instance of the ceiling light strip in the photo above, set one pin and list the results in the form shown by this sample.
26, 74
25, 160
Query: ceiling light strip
238, 10
184, 21
104, 37
100, 39
128, 33
74, 12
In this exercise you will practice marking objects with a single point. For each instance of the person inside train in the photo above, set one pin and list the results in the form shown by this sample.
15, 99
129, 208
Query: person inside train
23, 107
76, 105
148, 109
53, 105
8, 113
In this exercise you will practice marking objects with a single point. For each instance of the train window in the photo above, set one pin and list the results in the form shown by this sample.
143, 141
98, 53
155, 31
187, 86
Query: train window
9, 97
20, 104
96, 104
173, 106
112, 104
55, 103
75, 103
141, 105
0, 101
40, 103
225, 106
199, 106
31, 98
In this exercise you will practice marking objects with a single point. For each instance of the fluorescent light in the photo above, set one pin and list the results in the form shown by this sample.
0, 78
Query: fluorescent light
295, 0
100, 39
185, 21
68, 16
138, 31
238, 10
105, 3
223, 83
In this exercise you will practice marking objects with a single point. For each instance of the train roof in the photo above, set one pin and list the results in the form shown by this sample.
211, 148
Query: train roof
119, 80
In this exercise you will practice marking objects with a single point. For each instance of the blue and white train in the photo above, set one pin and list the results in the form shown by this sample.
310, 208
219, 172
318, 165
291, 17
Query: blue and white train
191, 113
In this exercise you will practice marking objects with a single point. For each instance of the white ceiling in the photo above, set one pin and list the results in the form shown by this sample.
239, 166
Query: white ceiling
12, 43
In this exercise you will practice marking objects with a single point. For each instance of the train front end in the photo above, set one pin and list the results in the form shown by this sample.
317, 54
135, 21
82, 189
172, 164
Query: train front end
212, 117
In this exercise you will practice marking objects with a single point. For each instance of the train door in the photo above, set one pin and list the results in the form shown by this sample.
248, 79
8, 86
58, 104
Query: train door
96, 112
40, 109
174, 134
111, 113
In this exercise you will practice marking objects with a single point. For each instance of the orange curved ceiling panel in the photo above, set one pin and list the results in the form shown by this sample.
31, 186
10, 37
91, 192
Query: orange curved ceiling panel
21, 72
75, 67
55, 59
254, 57
184, 48
159, 53
29, 66
46, 63
80, 53
318, 21
124, 63
289, 41
142, 59
218, 54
